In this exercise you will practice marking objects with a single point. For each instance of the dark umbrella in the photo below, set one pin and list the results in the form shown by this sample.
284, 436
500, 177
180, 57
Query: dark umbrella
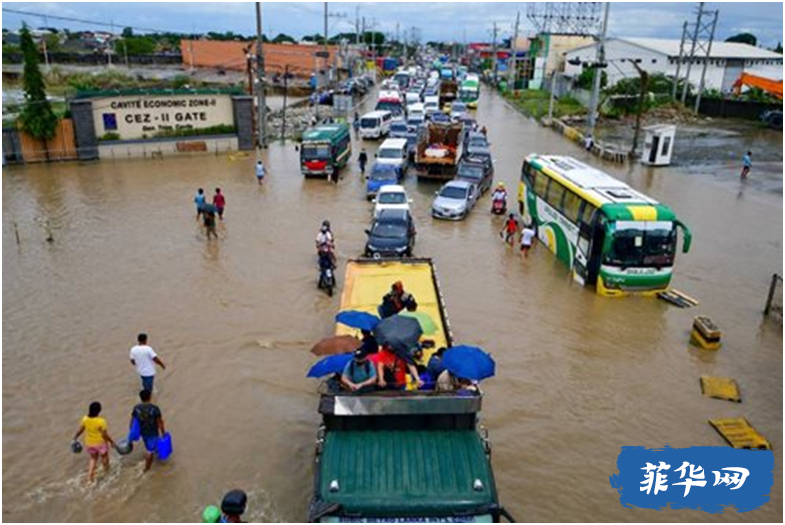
357, 319
333, 364
339, 344
209, 208
400, 333
469, 362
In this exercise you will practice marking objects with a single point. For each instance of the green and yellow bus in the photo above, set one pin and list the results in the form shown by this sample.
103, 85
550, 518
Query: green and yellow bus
610, 235
469, 92
325, 149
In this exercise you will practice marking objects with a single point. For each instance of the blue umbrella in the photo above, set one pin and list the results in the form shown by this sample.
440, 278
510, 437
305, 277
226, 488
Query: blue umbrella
469, 362
357, 319
332, 364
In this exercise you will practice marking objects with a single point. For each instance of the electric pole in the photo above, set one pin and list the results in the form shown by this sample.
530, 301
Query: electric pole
514, 46
495, 55
706, 61
327, 68
680, 60
692, 54
260, 95
599, 64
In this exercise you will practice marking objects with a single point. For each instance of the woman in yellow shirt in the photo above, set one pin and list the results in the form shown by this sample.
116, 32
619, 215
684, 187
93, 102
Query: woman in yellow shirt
96, 440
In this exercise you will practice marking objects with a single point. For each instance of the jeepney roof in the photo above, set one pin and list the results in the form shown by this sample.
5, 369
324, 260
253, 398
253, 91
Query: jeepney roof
406, 473
325, 133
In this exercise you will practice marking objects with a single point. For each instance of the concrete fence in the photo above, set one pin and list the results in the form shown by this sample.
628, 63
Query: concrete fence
610, 154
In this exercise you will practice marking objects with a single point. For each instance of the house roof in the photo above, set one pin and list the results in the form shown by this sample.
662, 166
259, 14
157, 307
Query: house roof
670, 47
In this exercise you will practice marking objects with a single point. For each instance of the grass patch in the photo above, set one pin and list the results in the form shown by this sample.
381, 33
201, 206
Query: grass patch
535, 102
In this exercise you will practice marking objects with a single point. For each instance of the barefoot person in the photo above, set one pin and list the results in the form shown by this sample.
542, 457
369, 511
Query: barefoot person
151, 425
144, 358
97, 439
746, 165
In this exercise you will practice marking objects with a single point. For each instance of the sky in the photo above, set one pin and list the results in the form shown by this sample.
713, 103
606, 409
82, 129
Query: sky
450, 21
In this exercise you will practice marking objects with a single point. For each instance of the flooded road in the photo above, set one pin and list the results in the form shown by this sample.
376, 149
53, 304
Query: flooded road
580, 376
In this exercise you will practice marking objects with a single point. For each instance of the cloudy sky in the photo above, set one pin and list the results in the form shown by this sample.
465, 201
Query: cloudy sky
448, 21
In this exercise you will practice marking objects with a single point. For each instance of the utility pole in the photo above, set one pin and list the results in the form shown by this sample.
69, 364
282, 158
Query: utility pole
495, 55
692, 54
260, 94
706, 61
285, 92
327, 68
514, 46
594, 101
644, 87
680, 60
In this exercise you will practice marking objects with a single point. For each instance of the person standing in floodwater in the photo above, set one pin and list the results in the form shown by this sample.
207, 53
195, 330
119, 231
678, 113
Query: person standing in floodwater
209, 222
746, 165
259, 172
200, 201
144, 358
219, 201
509, 230
97, 439
362, 159
151, 425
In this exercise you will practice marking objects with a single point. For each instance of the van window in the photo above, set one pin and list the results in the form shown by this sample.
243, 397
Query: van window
369, 122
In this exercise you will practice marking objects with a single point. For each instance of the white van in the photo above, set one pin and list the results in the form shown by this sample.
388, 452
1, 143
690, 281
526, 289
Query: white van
431, 104
375, 124
416, 110
412, 97
394, 152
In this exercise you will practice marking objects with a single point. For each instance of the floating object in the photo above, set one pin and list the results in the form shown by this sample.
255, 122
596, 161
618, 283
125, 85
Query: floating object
135, 432
705, 333
738, 432
721, 388
164, 446
124, 447
76, 447
678, 298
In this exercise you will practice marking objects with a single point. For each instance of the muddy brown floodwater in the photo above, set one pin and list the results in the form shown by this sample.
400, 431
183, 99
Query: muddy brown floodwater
580, 376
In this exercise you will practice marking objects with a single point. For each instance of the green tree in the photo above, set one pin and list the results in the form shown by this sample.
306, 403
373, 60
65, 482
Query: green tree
280, 38
37, 117
586, 79
52, 43
135, 46
128, 32
744, 38
778, 49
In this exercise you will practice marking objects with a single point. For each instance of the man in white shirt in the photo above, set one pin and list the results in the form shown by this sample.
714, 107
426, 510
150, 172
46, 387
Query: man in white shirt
527, 238
144, 358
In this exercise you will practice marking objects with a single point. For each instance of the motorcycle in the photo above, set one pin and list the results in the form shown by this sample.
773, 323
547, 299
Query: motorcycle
499, 206
326, 273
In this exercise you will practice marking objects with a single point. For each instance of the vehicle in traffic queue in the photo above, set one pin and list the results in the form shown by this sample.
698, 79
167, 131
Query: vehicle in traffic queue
431, 104
394, 151
469, 91
325, 149
478, 171
413, 136
454, 200
391, 197
391, 101
457, 110
380, 175
392, 234
440, 117
375, 125
398, 129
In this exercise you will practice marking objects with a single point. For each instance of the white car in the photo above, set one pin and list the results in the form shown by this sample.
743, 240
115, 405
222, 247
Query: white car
394, 151
391, 197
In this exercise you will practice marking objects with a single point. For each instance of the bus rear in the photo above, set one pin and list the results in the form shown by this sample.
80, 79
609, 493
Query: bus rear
325, 149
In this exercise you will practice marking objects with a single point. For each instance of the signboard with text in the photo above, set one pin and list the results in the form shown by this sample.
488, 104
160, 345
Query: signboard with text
147, 116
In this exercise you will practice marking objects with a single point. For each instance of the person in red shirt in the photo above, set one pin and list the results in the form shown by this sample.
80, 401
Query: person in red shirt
219, 201
510, 228
391, 369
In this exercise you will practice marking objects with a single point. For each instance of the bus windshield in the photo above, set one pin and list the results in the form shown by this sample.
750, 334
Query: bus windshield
642, 244
315, 151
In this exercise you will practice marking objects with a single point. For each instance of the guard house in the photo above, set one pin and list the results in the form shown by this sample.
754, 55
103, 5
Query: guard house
658, 146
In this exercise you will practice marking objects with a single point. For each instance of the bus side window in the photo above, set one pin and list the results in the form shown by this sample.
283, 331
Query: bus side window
541, 185
572, 206
587, 214
529, 175
555, 194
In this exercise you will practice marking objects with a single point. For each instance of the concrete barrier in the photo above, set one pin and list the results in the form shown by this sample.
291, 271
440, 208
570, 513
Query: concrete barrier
125, 149
610, 154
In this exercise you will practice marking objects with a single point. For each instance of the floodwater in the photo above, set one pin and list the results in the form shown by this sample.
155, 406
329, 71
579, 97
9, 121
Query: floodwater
579, 376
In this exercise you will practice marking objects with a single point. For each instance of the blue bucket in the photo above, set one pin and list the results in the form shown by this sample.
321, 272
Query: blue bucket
164, 448
135, 432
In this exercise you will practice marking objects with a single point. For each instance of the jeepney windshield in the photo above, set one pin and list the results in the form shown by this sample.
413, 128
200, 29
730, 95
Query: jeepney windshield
315, 151
642, 244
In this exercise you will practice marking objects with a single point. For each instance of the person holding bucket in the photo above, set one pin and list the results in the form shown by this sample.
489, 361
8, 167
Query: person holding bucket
146, 419
97, 439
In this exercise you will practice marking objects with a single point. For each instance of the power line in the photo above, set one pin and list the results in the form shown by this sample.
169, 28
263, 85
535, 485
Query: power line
85, 21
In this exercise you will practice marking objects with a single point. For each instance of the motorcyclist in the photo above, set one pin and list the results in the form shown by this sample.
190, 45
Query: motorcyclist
500, 195
325, 243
